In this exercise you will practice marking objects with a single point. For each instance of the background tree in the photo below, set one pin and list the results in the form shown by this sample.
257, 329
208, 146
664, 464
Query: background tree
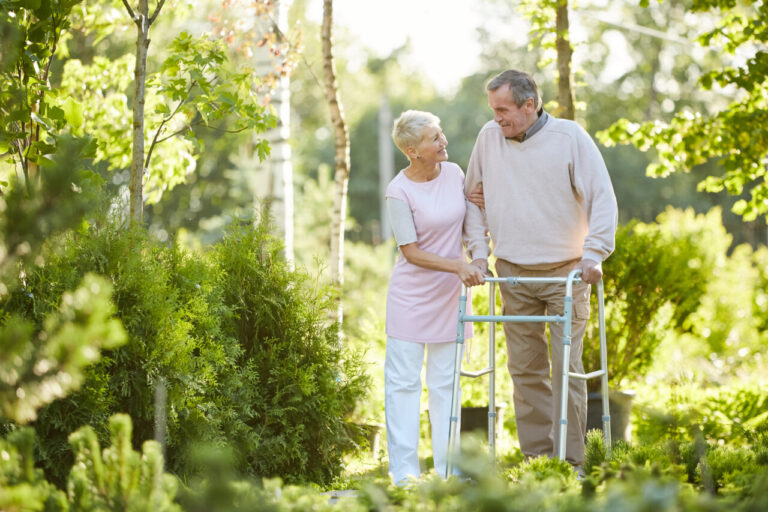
550, 29
341, 158
735, 135
51, 194
143, 23
31, 118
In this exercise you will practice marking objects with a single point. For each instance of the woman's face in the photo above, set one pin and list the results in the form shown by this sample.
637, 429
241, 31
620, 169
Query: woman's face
432, 145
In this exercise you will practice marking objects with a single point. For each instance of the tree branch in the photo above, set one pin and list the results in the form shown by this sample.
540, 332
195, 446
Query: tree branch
301, 54
165, 120
132, 14
157, 11
198, 123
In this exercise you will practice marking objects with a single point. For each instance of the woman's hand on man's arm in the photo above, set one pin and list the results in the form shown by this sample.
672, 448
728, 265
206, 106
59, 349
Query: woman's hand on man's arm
476, 196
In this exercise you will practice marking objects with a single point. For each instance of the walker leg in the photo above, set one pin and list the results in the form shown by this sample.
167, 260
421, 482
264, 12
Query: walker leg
604, 367
492, 375
565, 372
455, 405
563, 427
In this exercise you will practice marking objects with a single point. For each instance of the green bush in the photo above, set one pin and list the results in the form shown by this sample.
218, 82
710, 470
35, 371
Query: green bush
296, 379
39, 366
654, 282
727, 469
22, 486
760, 307
594, 452
242, 343
720, 414
118, 478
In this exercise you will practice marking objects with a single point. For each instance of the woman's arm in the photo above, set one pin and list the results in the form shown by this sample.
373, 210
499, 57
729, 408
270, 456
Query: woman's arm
403, 228
469, 274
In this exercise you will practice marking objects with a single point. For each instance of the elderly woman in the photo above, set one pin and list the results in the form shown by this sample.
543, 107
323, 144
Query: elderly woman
426, 208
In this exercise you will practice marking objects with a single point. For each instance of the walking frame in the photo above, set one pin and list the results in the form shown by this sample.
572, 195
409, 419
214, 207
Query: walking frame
490, 370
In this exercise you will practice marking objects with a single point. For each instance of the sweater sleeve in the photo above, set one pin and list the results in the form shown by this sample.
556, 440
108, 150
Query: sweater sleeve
475, 222
593, 184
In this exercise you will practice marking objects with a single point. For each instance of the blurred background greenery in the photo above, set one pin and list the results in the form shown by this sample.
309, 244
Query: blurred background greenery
688, 282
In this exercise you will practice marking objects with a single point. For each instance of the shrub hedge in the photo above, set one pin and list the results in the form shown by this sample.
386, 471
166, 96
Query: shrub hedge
242, 343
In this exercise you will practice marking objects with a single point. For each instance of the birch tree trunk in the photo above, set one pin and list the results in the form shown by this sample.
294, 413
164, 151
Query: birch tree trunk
565, 96
136, 185
341, 155
279, 192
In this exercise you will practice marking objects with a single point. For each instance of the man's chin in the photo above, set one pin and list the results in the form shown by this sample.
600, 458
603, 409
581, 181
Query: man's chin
508, 133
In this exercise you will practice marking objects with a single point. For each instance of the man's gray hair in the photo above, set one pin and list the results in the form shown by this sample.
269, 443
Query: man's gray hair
521, 86
409, 128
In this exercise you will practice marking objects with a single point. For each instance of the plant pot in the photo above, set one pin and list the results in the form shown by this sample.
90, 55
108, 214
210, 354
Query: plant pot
372, 433
476, 418
620, 409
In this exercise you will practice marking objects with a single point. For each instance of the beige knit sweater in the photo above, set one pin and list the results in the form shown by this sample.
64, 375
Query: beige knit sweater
548, 199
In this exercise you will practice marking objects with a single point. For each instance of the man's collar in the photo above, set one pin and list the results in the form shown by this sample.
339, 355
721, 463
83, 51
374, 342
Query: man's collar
535, 127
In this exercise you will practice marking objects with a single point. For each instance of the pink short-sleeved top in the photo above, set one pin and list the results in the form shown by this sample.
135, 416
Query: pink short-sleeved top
423, 304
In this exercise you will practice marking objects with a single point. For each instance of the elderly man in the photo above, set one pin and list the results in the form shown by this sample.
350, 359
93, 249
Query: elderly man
549, 208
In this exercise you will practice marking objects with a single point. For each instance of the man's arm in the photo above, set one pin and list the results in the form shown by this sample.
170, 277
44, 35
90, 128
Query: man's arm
475, 222
594, 182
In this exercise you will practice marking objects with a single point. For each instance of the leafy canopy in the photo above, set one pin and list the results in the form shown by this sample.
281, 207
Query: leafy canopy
738, 135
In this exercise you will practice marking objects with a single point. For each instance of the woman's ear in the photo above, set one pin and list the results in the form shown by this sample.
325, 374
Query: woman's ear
411, 153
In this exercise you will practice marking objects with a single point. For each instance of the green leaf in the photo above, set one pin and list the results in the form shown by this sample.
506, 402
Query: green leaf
56, 113
163, 109
39, 120
74, 112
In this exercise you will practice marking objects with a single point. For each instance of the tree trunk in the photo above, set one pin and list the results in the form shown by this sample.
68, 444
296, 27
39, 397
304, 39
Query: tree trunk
565, 96
279, 198
141, 18
386, 162
341, 158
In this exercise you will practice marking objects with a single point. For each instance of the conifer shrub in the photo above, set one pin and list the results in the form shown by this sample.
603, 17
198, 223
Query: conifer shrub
727, 469
22, 486
299, 381
117, 477
594, 451
241, 342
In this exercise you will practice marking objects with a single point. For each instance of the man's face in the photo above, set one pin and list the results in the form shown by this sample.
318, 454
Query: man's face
514, 120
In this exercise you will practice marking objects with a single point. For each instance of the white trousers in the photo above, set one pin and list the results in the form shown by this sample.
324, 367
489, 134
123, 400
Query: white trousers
402, 401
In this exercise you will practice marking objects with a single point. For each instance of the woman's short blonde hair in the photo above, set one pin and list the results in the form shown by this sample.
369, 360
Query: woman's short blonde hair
409, 128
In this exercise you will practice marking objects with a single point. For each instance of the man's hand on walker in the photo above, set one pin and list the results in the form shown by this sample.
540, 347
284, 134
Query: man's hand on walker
476, 196
470, 274
591, 271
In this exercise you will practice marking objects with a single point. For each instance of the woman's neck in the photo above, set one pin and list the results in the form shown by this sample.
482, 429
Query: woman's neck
422, 171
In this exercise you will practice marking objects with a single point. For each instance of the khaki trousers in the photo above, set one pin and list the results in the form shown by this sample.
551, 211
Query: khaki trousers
537, 392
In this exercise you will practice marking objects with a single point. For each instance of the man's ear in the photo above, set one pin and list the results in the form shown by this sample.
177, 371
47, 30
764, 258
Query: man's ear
530, 105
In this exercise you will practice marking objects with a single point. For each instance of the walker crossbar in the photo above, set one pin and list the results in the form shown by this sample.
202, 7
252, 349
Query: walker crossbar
492, 318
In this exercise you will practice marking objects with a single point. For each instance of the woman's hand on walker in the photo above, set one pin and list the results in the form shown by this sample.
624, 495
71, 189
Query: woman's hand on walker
470, 275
